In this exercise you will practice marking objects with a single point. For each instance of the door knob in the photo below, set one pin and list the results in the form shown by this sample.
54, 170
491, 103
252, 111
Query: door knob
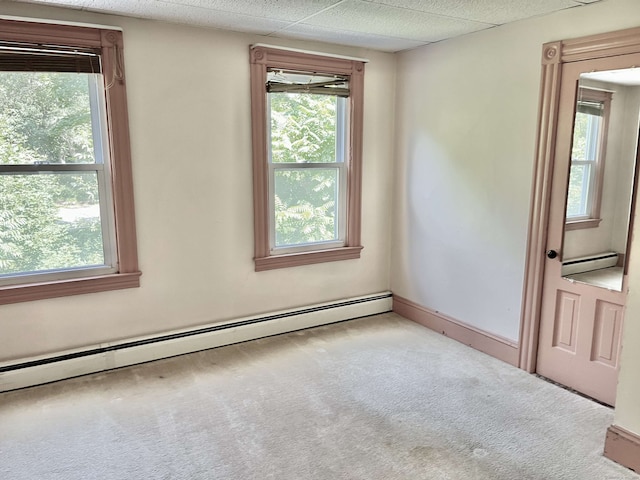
552, 254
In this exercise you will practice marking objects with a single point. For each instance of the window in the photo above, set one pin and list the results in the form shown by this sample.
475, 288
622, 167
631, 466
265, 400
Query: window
587, 158
307, 148
66, 203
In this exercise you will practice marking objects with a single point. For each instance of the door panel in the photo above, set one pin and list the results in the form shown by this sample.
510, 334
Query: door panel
606, 335
580, 339
581, 322
566, 324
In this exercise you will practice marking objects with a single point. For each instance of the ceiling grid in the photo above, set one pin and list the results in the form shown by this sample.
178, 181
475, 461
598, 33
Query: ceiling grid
385, 25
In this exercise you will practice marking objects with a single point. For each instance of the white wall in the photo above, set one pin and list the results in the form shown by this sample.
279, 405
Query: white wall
629, 144
627, 412
466, 126
189, 110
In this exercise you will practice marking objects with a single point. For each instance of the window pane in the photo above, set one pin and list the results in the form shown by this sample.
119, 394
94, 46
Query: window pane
306, 202
45, 118
49, 222
578, 195
303, 128
585, 136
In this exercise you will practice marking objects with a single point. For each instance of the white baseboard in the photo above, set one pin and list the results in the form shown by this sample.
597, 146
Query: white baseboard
107, 356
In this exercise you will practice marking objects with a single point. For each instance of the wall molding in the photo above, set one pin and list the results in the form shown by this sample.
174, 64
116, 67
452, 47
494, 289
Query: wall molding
601, 45
539, 207
623, 447
107, 356
493, 345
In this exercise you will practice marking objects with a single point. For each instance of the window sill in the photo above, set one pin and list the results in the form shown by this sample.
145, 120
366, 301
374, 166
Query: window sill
580, 224
306, 258
39, 291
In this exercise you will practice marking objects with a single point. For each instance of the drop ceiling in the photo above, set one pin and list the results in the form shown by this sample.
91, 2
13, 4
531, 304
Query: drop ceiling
628, 76
386, 25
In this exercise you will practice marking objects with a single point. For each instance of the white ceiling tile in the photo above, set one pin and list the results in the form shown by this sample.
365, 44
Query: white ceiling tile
366, 17
188, 15
387, 25
288, 10
490, 11
65, 3
137, 8
354, 39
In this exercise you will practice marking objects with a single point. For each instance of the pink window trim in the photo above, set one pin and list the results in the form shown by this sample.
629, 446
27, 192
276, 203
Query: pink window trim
262, 58
110, 43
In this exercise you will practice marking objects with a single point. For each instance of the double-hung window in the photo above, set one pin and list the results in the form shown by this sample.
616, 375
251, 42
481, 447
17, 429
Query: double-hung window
587, 158
66, 210
307, 150
307, 134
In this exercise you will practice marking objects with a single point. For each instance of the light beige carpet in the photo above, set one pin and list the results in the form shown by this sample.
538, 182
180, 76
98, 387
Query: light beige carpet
374, 398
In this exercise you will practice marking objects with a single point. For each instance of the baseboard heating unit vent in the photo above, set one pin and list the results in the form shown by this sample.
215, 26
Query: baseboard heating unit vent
590, 263
107, 356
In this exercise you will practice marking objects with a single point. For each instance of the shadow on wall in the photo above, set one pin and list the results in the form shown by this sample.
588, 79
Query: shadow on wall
458, 262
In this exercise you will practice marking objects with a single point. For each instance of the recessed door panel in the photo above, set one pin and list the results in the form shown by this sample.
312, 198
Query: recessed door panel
606, 334
566, 321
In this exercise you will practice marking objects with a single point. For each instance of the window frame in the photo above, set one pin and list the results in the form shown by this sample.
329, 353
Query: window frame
101, 167
109, 42
263, 58
339, 163
593, 219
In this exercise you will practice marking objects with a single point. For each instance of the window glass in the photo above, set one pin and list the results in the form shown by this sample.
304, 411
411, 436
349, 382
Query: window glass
306, 206
53, 183
584, 156
49, 221
578, 196
585, 136
307, 127
303, 128
45, 118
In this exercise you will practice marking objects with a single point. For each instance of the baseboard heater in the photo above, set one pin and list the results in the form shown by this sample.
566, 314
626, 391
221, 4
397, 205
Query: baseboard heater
589, 263
108, 356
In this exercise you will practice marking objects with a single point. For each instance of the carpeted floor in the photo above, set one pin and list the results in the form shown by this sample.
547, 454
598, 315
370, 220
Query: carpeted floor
374, 398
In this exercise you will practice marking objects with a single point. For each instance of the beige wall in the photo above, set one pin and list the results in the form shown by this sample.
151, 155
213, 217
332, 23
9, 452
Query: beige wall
466, 122
627, 412
189, 111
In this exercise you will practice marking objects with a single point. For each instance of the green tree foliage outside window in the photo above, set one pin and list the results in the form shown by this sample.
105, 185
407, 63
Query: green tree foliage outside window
304, 130
47, 220
584, 153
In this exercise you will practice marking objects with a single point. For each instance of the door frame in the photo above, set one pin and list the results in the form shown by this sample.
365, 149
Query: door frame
554, 55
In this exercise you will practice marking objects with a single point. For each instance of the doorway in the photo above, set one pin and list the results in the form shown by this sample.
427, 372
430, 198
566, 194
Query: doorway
579, 245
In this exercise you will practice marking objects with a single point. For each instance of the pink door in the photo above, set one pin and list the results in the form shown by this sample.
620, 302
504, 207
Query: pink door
592, 200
